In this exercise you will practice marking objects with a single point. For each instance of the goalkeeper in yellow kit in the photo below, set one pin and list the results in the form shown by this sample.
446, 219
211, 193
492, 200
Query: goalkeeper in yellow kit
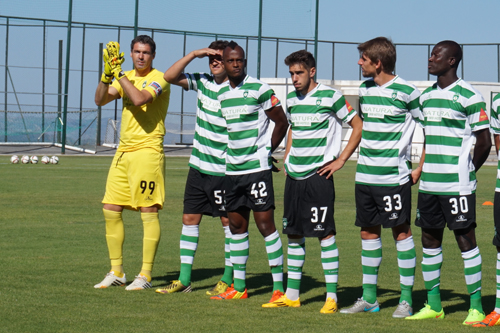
136, 176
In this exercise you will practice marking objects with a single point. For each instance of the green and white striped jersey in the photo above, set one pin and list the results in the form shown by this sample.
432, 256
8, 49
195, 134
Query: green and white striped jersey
316, 123
450, 116
244, 108
495, 129
210, 137
389, 114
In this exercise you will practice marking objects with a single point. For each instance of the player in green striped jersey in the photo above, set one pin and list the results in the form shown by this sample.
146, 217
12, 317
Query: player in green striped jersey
453, 116
248, 105
493, 319
204, 186
312, 155
389, 107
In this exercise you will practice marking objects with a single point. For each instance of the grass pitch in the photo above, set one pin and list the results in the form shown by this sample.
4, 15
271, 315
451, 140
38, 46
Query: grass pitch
53, 250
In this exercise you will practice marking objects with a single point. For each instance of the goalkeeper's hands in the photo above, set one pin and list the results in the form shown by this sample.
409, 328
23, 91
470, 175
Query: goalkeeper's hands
107, 75
112, 62
115, 60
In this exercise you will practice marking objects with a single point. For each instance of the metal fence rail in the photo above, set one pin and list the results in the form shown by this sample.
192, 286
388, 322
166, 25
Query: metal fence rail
32, 66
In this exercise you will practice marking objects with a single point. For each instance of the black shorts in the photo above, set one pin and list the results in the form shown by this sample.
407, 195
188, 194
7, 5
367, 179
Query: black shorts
496, 219
388, 206
253, 190
437, 211
204, 194
309, 206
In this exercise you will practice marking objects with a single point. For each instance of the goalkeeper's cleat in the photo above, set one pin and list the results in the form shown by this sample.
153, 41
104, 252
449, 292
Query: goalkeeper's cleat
474, 317
283, 301
403, 310
330, 306
219, 288
140, 282
493, 319
231, 293
111, 280
277, 294
362, 306
427, 313
175, 287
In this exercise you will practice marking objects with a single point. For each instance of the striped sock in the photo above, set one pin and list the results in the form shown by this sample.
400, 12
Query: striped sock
330, 263
371, 257
407, 261
295, 262
188, 246
239, 255
228, 267
274, 250
432, 260
472, 270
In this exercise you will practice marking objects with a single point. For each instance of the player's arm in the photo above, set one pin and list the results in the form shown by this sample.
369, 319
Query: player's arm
105, 93
482, 148
497, 142
138, 97
357, 125
175, 75
415, 174
277, 115
288, 146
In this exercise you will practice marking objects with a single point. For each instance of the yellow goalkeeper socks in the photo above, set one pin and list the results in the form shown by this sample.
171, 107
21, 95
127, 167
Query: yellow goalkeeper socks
115, 236
151, 239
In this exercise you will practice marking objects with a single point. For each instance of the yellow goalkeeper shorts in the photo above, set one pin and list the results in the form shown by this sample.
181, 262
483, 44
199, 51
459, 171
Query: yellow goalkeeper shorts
136, 179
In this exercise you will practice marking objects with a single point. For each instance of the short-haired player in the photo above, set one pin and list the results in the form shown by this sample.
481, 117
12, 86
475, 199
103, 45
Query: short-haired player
136, 176
390, 110
312, 155
204, 192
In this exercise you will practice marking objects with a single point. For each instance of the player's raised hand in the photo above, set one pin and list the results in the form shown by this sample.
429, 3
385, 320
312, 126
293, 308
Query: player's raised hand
206, 52
115, 66
107, 75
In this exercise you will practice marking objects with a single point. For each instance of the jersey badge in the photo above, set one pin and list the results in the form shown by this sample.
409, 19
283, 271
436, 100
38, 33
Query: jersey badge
144, 84
455, 98
156, 88
482, 115
285, 222
245, 94
274, 100
394, 95
318, 102
349, 107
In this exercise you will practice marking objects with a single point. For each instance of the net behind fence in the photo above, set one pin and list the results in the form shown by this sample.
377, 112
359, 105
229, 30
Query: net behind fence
46, 127
179, 130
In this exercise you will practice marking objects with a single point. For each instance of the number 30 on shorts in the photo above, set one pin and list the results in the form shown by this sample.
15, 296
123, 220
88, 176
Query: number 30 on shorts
144, 186
462, 202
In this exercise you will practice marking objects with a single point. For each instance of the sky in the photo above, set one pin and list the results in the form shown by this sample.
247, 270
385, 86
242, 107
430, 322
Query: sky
404, 21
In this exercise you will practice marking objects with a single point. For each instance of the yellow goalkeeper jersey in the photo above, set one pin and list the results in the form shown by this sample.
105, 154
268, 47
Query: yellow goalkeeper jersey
144, 126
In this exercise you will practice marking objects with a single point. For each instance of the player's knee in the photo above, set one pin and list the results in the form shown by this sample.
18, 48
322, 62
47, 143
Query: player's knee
266, 228
466, 239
